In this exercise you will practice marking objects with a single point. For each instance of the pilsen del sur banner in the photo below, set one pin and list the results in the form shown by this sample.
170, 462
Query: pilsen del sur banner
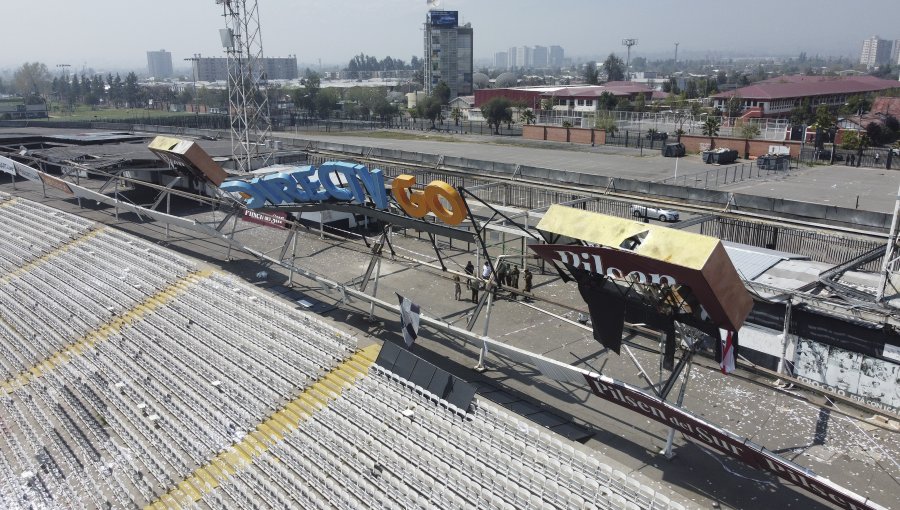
311, 184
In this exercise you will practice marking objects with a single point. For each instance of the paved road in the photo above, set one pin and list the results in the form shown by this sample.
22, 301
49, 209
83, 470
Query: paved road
831, 185
850, 451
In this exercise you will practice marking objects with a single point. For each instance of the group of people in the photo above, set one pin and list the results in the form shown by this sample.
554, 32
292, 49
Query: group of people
506, 276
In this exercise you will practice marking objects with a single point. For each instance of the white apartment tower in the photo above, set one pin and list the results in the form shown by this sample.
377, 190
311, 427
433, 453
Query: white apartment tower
875, 51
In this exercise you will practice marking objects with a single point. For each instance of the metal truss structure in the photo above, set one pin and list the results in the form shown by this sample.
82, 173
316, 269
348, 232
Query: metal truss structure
248, 104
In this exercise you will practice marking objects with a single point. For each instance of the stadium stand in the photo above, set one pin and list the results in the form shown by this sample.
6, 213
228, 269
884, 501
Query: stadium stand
133, 377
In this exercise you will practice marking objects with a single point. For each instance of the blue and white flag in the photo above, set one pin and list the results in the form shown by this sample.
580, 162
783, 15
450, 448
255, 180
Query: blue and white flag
409, 320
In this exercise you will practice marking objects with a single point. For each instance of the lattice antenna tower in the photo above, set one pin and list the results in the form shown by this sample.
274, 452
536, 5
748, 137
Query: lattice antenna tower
248, 103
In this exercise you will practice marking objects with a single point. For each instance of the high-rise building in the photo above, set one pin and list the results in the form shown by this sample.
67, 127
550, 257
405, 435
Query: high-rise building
501, 61
448, 53
512, 55
159, 64
524, 57
895, 53
875, 51
557, 55
216, 68
540, 57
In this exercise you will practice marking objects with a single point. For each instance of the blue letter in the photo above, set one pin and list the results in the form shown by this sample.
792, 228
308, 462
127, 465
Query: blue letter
373, 180
256, 199
311, 186
329, 185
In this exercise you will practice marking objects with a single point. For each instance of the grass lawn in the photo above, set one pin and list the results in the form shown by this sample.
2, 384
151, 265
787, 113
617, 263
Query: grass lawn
392, 135
87, 113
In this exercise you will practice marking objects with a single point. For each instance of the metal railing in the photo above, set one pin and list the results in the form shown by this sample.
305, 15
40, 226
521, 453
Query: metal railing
718, 177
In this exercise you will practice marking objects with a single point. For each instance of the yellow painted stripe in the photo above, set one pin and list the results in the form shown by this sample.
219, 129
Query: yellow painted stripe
104, 331
282, 422
50, 255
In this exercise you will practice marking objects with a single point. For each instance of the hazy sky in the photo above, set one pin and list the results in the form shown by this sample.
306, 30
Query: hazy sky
117, 33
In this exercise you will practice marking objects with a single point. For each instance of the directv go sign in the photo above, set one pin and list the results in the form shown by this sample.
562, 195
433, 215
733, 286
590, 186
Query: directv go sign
311, 184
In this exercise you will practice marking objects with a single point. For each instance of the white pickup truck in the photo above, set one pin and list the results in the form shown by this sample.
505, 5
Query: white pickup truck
645, 211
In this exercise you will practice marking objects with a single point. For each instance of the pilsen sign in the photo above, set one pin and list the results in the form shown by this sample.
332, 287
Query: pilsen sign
349, 182
719, 439
629, 250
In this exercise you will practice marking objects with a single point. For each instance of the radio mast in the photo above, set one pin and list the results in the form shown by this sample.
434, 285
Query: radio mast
248, 102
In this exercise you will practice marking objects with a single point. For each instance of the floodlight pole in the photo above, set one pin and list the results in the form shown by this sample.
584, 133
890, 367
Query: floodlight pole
628, 43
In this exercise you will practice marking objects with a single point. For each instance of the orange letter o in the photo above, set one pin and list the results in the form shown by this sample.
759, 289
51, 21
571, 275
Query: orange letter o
457, 212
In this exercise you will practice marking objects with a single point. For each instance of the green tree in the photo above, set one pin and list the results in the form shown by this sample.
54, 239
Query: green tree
591, 73
132, 91
497, 111
456, 114
606, 122
607, 101
802, 114
305, 97
441, 91
326, 102
430, 108
614, 67
528, 116
640, 103
750, 130
857, 104
711, 128
825, 123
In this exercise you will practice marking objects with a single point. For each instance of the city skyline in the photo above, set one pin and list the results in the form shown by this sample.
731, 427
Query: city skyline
111, 34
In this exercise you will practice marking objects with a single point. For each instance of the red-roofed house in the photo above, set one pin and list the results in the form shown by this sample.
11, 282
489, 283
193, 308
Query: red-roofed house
776, 97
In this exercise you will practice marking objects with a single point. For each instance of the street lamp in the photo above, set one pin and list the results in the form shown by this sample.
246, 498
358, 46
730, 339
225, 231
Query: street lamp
65, 77
193, 60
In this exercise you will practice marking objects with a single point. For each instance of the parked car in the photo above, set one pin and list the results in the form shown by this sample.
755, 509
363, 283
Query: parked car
645, 211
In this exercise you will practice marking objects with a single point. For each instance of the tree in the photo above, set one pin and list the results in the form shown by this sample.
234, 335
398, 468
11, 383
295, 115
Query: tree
430, 108
132, 91
640, 103
711, 128
825, 123
734, 106
591, 73
441, 91
857, 105
326, 102
614, 67
801, 114
528, 116
305, 97
456, 114
32, 79
497, 111
607, 101
750, 130
606, 122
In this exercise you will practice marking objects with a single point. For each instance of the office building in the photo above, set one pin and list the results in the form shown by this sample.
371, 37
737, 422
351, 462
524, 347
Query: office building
895, 53
511, 54
216, 68
501, 60
540, 57
557, 55
159, 64
875, 51
448, 53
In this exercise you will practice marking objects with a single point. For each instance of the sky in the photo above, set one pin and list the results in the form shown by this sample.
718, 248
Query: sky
116, 34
